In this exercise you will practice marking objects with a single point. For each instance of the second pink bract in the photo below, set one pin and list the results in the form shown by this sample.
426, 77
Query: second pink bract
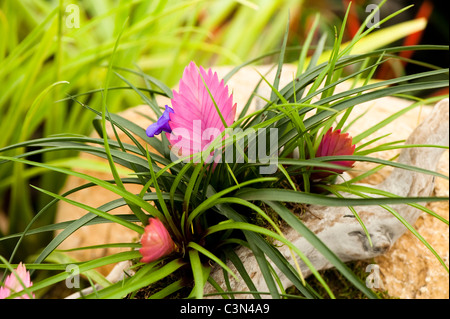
156, 241
335, 143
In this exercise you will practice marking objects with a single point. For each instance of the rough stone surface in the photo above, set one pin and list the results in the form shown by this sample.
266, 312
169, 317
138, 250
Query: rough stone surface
408, 270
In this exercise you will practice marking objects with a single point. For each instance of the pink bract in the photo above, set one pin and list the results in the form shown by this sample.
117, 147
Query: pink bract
13, 285
156, 241
335, 143
195, 122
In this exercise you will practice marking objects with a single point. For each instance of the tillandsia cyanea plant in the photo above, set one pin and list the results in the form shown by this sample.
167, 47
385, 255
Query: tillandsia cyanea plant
198, 161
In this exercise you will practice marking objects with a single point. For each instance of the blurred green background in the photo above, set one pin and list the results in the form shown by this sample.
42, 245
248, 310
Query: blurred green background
44, 42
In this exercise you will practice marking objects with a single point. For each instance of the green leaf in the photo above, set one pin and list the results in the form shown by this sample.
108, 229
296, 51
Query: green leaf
262, 230
263, 266
210, 255
237, 262
260, 246
380, 161
304, 231
86, 266
120, 289
119, 191
286, 195
392, 117
96, 211
197, 271
166, 291
210, 201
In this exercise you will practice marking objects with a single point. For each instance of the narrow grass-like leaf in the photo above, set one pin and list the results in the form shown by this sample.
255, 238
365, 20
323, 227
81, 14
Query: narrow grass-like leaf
92, 264
231, 255
354, 212
162, 203
208, 254
280, 62
154, 106
197, 272
120, 291
119, 191
380, 161
392, 117
262, 230
370, 190
296, 223
210, 201
285, 195
264, 267
259, 245
168, 290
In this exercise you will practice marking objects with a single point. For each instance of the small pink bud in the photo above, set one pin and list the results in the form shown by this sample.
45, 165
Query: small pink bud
13, 285
156, 241
335, 143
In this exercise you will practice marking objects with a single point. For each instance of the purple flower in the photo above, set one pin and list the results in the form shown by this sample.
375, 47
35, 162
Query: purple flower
161, 125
